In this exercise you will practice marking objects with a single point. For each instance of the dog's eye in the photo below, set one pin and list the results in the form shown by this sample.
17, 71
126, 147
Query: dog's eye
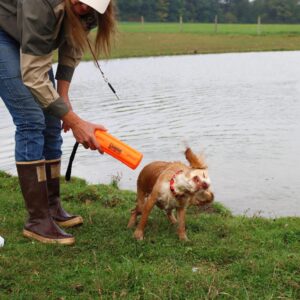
196, 178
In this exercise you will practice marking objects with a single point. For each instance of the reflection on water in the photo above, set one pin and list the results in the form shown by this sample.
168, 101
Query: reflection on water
241, 110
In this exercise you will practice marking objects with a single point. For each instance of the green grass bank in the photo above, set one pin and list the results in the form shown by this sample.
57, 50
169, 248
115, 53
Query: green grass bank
228, 257
154, 39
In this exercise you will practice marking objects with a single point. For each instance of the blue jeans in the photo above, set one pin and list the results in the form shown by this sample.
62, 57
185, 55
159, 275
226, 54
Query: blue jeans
38, 134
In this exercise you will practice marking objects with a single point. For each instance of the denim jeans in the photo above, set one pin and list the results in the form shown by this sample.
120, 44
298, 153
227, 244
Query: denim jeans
38, 134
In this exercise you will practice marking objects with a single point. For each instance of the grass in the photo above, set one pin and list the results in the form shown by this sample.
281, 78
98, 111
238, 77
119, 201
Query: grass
228, 257
206, 28
155, 39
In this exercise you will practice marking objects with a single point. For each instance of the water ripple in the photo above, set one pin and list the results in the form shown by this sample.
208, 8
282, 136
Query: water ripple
237, 108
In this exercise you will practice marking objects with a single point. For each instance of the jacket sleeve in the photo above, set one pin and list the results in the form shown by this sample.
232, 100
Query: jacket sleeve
39, 24
68, 59
68, 56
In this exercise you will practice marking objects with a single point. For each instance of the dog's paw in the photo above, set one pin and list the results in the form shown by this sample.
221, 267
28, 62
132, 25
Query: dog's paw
131, 224
184, 238
139, 235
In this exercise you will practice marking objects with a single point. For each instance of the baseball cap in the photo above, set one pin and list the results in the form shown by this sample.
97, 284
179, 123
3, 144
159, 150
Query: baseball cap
99, 5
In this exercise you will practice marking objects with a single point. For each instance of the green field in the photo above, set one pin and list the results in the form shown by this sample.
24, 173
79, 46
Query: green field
227, 257
154, 39
204, 28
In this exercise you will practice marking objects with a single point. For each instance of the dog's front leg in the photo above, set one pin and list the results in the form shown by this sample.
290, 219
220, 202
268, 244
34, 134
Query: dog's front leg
181, 224
171, 216
133, 217
139, 232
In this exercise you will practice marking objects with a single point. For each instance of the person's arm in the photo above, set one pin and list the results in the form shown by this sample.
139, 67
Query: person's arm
68, 59
63, 87
37, 24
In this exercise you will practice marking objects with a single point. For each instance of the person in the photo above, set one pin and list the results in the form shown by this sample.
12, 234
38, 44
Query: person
30, 31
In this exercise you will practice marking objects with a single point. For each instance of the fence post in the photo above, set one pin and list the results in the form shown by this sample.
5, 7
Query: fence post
180, 23
259, 25
216, 23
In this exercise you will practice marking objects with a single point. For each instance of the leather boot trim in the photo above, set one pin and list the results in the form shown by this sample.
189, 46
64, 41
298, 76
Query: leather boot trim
41, 173
76, 221
54, 168
52, 161
55, 171
34, 236
30, 162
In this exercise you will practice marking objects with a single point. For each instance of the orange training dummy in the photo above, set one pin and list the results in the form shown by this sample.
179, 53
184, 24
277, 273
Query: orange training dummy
118, 149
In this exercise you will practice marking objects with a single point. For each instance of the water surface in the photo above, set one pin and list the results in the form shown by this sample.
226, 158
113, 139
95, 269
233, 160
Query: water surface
241, 110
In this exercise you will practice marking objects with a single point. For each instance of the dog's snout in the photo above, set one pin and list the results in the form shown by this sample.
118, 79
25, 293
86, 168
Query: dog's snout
205, 185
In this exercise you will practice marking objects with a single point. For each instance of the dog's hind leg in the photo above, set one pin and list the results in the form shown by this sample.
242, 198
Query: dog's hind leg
151, 200
171, 216
137, 210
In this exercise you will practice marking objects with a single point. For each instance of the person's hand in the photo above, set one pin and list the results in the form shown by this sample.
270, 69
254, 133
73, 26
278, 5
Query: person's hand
83, 131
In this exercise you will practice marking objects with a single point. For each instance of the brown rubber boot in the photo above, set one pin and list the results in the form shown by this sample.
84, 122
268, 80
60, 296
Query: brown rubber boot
40, 225
59, 215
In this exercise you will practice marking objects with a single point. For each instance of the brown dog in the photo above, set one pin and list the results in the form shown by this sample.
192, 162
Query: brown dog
171, 185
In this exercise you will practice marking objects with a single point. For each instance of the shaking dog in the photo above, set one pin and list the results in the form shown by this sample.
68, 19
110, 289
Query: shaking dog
171, 185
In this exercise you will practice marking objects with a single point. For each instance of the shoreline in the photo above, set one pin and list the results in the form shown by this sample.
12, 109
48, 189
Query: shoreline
153, 44
217, 205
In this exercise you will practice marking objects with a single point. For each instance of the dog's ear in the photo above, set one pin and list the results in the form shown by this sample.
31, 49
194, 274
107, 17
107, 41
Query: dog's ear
195, 161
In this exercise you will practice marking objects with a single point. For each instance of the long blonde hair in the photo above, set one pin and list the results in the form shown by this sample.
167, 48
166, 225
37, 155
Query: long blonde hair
106, 30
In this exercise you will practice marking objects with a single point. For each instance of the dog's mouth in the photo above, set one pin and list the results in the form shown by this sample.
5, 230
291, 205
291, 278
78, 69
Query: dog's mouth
204, 185
204, 198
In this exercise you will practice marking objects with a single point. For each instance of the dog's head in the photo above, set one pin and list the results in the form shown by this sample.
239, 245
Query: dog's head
198, 179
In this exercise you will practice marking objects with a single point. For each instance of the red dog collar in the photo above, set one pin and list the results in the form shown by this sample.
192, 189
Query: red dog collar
172, 181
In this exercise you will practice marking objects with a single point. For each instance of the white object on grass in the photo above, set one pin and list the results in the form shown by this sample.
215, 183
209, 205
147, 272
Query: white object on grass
1, 241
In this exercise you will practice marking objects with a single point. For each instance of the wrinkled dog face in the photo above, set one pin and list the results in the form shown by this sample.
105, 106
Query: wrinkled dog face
199, 180
200, 183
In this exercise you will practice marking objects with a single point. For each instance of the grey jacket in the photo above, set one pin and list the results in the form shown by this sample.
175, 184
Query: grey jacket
38, 25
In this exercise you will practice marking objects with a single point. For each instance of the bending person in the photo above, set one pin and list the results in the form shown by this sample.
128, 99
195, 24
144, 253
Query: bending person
29, 33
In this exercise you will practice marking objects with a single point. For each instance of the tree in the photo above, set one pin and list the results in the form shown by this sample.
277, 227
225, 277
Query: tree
162, 10
242, 11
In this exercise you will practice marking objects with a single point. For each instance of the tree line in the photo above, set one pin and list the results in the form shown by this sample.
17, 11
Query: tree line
205, 11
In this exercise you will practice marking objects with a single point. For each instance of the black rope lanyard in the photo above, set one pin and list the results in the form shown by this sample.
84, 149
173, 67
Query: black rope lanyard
69, 168
102, 73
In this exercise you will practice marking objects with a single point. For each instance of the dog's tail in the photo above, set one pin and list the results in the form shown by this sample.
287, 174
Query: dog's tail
195, 161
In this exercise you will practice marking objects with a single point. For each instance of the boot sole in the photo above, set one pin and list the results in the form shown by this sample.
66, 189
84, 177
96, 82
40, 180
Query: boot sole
70, 223
34, 236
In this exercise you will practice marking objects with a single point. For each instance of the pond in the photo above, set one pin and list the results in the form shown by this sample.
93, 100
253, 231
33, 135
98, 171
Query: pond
240, 110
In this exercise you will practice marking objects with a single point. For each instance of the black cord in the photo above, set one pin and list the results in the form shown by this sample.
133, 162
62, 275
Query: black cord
102, 73
69, 169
